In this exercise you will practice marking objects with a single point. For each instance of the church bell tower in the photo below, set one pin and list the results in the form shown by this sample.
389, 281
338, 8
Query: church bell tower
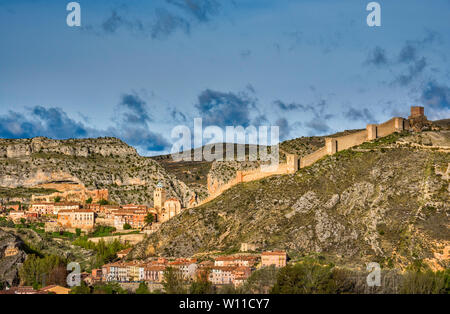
159, 197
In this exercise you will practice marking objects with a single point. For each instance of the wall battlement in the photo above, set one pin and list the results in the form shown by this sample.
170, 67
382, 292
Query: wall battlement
332, 146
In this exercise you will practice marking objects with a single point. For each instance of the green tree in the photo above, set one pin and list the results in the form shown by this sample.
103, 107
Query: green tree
57, 199
82, 289
202, 285
103, 202
307, 277
149, 219
78, 232
89, 200
261, 281
36, 271
143, 289
173, 281
109, 288
126, 226
428, 282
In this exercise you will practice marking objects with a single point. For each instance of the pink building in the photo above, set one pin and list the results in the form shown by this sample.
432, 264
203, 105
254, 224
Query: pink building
277, 258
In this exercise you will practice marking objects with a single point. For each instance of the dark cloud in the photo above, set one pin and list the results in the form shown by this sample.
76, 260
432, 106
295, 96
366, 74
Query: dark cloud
177, 115
260, 119
225, 109
113, 23
168, 23
135, 109
119, 20
318, 127
201, 10
57, 122
407, 54
41, 121
250, 88
287, 107
140, 137
318, 124
130, 125
377, 57
414, 70
285, 128
176, 15
436, 96
359, 115
409, 64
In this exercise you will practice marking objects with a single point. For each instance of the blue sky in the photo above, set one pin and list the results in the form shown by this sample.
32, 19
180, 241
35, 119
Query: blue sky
135, 69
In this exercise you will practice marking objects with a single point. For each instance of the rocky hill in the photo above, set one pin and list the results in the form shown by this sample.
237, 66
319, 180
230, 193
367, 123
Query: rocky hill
29, 241
103, 163
9, 265
385, 201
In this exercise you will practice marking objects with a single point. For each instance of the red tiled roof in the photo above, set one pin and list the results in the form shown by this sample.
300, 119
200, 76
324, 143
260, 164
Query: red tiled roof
76, 211
274, 253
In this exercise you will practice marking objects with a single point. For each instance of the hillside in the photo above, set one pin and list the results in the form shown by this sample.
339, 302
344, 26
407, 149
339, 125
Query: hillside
9, 265
384, 201
43, 165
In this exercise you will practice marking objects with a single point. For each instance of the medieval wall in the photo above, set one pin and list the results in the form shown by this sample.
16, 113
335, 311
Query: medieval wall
354, 139
332, 146
386, 128
308, 160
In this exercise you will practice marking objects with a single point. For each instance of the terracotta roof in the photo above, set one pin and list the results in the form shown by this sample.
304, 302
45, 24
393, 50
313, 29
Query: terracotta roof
274, 253
235, 258
68, 211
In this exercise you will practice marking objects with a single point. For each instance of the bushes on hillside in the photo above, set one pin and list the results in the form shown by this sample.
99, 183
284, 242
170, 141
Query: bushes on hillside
38, 272
308, 277
426, 282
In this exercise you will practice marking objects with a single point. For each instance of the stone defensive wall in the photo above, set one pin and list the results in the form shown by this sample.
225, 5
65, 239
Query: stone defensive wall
252, 175
244, 176
347, 141
312, 158
332, 146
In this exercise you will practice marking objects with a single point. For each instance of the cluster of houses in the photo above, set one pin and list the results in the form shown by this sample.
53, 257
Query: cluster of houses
72, 215
224, 270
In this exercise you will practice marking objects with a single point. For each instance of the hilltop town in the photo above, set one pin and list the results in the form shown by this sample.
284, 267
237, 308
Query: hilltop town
235, 230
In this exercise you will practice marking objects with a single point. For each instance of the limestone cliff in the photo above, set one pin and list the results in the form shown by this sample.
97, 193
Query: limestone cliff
103, 163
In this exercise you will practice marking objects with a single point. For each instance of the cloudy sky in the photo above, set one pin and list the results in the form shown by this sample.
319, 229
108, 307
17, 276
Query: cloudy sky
135, 68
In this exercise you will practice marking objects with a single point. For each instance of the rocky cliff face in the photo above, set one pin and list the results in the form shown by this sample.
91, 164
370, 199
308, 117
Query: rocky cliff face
104, 163
74, 147
9, 265
385, 202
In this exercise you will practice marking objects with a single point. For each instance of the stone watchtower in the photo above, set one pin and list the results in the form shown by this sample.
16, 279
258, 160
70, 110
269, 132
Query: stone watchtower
159, 197
292, 163
417, 120
417, 112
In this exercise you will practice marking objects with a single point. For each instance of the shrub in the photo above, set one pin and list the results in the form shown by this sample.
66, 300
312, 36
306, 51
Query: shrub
427, 282
307, 277
126, 226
